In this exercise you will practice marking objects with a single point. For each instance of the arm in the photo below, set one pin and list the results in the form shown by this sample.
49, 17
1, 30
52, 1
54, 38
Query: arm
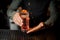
13, 6
50, 21
53, 15
13, 16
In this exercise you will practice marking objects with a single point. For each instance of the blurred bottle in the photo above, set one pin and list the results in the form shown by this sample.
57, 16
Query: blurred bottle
25, 16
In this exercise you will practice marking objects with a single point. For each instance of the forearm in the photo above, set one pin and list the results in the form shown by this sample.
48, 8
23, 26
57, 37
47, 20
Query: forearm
53, 15
13, 6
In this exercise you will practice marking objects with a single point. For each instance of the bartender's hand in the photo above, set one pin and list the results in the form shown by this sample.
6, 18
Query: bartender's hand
17, 19
36, 28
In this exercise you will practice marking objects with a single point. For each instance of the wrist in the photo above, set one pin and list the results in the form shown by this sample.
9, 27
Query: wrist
42, 25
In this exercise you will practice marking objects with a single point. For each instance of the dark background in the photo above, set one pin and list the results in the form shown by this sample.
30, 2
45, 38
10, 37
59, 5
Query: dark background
4, 24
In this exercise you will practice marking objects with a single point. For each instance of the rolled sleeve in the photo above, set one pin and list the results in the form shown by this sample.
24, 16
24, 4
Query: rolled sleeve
53, 15
13, 6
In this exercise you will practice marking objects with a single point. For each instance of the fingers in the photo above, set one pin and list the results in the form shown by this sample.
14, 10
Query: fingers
17, 19
32, 30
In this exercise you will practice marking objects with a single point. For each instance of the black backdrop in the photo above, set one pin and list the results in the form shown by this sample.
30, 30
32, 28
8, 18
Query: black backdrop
4, 24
